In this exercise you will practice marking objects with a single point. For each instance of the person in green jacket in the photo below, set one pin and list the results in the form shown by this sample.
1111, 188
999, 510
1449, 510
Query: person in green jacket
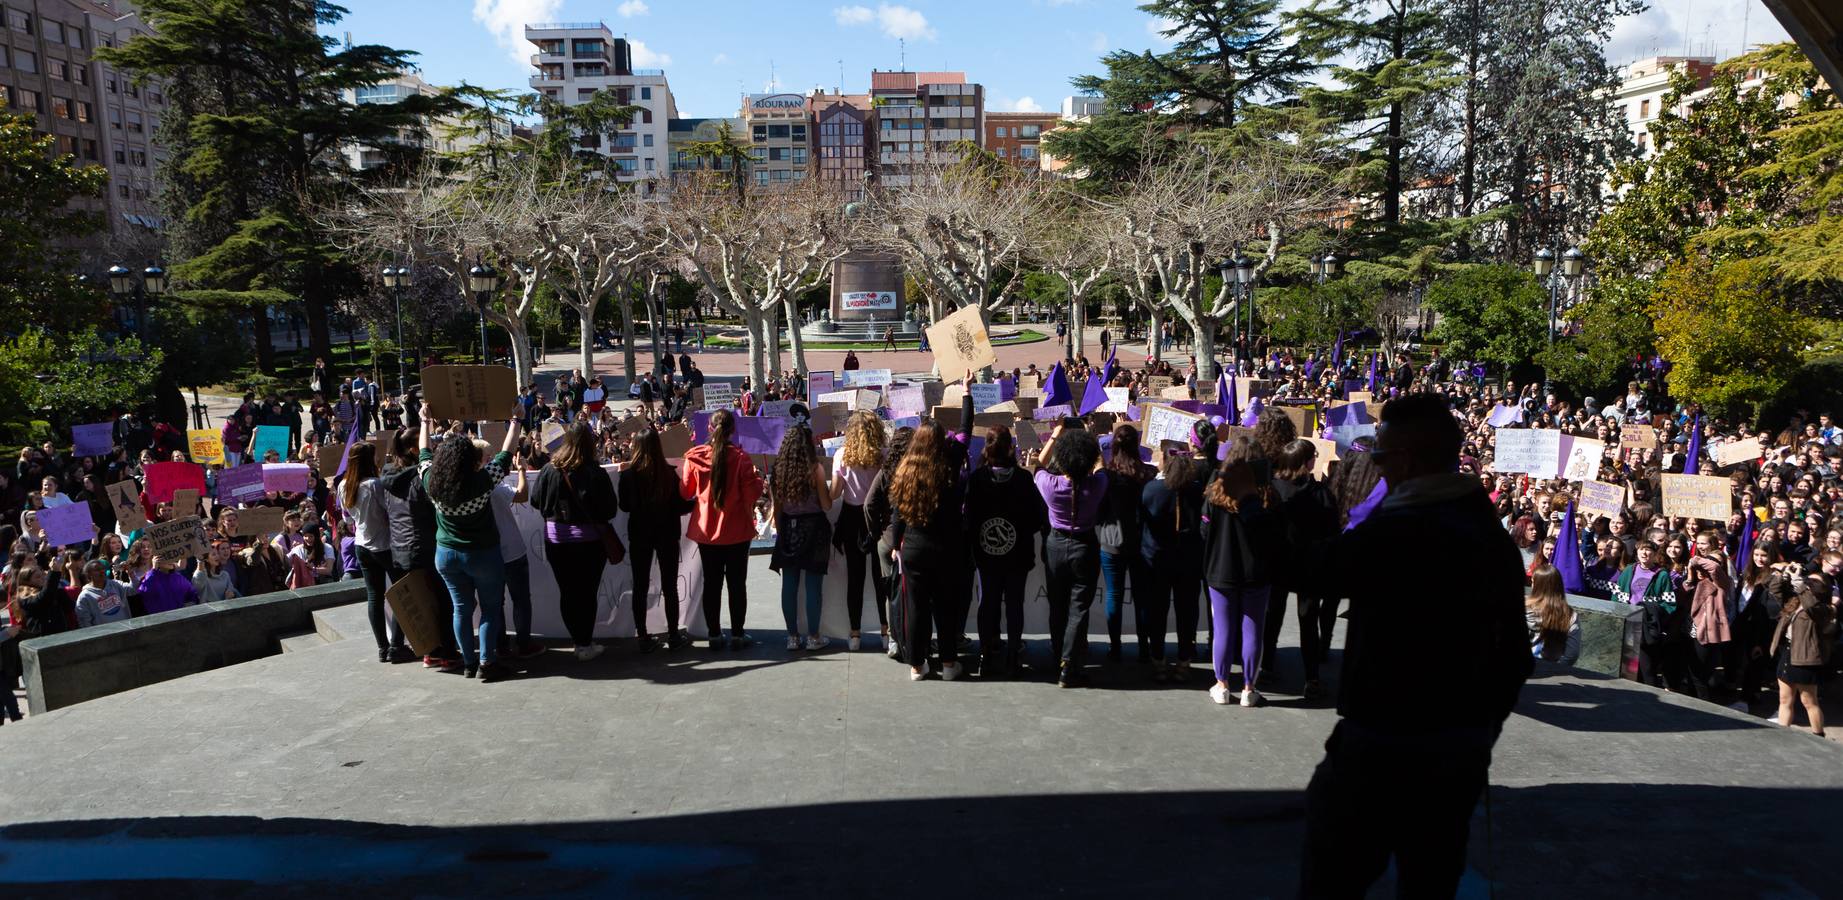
467, 537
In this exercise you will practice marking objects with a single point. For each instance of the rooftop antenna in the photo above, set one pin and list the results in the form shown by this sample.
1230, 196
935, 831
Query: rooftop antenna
1687, 18
902, 55
772, 84
841, 78
1746, 13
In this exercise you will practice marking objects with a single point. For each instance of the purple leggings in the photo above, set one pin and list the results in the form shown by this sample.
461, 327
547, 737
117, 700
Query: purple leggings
1249, 604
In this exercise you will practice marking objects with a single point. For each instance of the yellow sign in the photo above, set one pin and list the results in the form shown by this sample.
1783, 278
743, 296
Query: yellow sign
207, 445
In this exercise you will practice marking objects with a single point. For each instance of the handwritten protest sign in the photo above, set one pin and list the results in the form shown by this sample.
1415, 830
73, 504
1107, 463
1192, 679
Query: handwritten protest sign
960, 342
986, 396
166, 477
267, 438
1053, 413
421, 610
177, 539
469, 393
260, 521
1162, 423
550, 434
1155, 383
207, 446
185, 501
125, 499
819, 383
240, 484
67, 525
1117, 399
287, 478
1177, 392
92, 440
779, 409
866, 378
1735, 452
1601, 499
1536, 451
718, 395
1580, 457
1637, 437
1698, 497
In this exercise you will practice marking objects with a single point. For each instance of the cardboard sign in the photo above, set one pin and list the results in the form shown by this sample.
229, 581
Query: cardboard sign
1179, 392
92, 440
866, 378
326, 459
206, 446
287, 478
1736, 452
1156, 383
493, 433
1698, 497
125, 499
1327, 454
67, 525
469, 393
986, 396
1163, 423
1304, 417
424, 611
779, 409
1117, 400
268, 437
260, 521
947, 417
819, 383
185, 502
630, 426
675, 440
960, 342
1637, 437
718, 395
550, 434
1597, 498
380, 443
1580, 457
166, 477
177, 539
1365, 398
1247, 388
1536, 451
240, 484
1027, 437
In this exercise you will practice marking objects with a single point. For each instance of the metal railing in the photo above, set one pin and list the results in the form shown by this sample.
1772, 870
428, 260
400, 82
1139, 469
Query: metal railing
565, 26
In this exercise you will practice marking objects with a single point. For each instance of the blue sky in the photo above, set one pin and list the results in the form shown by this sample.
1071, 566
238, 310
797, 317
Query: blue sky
1023, 51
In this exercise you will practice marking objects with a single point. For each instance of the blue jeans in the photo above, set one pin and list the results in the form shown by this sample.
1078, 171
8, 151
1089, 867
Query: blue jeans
475, 576
790, 593
1115, 568
518, 590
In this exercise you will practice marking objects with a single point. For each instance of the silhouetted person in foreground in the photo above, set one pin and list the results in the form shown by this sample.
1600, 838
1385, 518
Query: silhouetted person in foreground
1431, 574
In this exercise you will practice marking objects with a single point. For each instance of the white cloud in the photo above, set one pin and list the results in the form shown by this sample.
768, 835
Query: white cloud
853, 15
506, 21
645, 58
1156, 26
1021, 104
1717, 30
1100, 44
632, 8
894, 21
721, 59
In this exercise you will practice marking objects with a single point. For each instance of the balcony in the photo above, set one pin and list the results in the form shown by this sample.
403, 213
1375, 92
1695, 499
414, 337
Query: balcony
566, 26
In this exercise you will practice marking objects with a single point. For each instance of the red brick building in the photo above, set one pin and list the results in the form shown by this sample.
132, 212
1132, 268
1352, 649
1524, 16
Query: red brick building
1014, 136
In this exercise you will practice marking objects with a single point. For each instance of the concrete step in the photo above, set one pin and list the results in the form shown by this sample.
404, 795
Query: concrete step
306, 640
337, 623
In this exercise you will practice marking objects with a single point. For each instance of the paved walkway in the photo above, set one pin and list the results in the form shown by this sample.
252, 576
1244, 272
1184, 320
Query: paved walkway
769, 774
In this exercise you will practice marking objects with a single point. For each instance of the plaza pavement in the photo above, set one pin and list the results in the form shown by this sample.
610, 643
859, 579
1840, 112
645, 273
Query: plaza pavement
764, 773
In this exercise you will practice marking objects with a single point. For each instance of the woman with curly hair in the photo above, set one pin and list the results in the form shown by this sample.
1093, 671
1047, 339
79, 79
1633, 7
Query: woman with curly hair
1073, 493
467, 537
1240, 536
798, 498
853, 472
719, 477
877, 515
928, 533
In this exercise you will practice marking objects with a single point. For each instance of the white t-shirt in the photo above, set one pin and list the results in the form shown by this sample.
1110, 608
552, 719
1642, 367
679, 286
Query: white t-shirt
53, 501
511, 542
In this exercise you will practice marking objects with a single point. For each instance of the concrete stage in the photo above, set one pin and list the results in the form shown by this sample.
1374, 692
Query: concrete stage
772, 774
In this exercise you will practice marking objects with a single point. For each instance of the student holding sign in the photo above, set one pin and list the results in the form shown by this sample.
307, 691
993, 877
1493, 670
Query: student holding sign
467, 538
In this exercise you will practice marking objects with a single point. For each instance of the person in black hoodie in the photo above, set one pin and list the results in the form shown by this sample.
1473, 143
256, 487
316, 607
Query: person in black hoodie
648, 492
1118, 532
1401, 778
1241, 535
1006, 514
412, 532
1309, 518
928, 532
1171, 543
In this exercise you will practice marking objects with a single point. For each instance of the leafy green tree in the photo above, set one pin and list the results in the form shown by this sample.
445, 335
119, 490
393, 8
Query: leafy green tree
1731, 335
72, 380
725, 151
1611, 328
42, 196
1494, 313
1310, 315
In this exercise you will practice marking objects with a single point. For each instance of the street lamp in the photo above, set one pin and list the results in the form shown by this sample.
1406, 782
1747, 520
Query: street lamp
397, 279
1573, 263
152, 283
483, 281
1237, 275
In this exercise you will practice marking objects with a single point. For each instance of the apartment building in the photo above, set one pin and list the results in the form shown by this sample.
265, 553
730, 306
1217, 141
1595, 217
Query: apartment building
920, 117
778, 134
92, 112
846, 126
576, 59
440, 136
682, 133
1015, 136
1643, 86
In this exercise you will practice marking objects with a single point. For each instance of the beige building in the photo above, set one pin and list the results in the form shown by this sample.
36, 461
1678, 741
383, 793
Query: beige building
440, 136
920, 117
576, 59
776, 128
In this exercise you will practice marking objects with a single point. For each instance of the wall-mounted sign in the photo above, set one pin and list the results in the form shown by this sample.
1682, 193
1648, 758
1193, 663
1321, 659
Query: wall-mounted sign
776, 101
861, 300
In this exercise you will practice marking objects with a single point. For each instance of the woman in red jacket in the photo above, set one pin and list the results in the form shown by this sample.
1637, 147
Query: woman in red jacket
722, 481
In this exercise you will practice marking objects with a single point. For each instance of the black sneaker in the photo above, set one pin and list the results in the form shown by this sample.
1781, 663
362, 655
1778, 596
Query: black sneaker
494, 672
384, 654
741, 641
401, 655
471, 671
645, 644
678, 641
1113, 653
1072, 677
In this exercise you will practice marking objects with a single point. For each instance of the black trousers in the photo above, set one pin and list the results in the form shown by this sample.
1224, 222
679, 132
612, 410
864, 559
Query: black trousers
1165, 590
1666, 664
578, 567
1373, 798
1317, 623
725, 562
374, 565
1001, 591
1072, 564
935, 591
641, 555
856, 562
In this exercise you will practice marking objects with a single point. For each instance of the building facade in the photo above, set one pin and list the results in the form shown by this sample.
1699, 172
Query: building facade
92, 112
846, 127
1643, 86
573, 61
1015, 137
779, 137
921, 116
440, 136
682, 133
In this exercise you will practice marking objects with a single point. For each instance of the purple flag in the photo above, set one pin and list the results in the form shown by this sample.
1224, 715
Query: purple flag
1056, 388
1362, 510
1229, 405
1093, 395
1311, 367
1745, 554
358, 423
1108, 370
1372, 374
1337, 353
1568, 553
1222, 386
1690, 456
1253, 413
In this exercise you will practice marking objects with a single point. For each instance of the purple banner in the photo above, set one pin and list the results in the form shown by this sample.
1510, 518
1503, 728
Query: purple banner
68, 524
240, 484
92, 440
755, 434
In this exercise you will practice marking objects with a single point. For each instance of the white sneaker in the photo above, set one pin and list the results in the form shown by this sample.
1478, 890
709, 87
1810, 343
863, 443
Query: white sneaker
1250, 698
919, 674
793, 642
951, 671
818, 642
889, 647
1219, 694
590, 652
854, 643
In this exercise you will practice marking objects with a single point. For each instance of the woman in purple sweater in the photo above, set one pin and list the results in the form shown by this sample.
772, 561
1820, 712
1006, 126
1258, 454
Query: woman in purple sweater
165, 588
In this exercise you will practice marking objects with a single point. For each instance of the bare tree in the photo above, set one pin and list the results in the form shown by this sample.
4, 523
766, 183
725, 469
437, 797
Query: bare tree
756, 253
1071, 242
600, 236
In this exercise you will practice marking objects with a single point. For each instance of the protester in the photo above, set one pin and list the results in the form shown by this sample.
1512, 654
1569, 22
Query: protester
361, 497
1006, 515
1802, 641
577, 501
1117, 533
1241, 536
1170, 515
854, 470
927, 532
722, 481
1554, 627
1072, 491
467, 539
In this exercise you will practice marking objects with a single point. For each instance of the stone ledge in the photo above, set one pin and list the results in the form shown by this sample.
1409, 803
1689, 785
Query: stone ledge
75, 666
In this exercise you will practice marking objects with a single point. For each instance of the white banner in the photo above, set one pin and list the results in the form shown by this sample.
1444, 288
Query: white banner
859, 301
1533, 450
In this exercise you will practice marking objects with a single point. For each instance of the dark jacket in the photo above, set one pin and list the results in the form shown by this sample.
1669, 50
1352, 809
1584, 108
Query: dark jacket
649, 521
1309, 522
1471, 616
50, 611
1806, 621
942, 540
1118, 528
1005, 513
1240, 546
412, 518
1171, 528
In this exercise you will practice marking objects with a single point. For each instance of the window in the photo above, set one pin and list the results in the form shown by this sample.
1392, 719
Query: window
121, 155
74, 37
1001, 152
57, 68
67, 145
551, 47
623, 141
646, 93
1641, 142
122, 191
25, 61
61, 107
137, 157
999, 132
19, 21
777, 154
1030, 131
111, 84
799, 156
646, 140
31, 100
83, 111
115, 119
759, 132
89, 149
626, 166
799, 132
758, 154
134, 122
649, 164
586, 48
83, 74
777, 131
1026, 153
134, 90
1644, 109
54, 32
761, 177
